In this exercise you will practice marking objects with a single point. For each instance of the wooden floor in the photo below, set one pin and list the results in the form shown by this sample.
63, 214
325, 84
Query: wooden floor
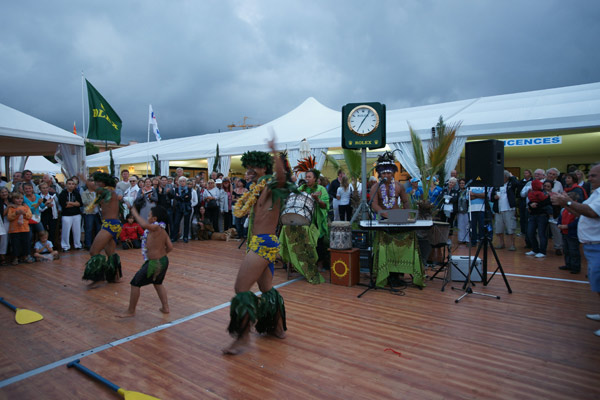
532, 344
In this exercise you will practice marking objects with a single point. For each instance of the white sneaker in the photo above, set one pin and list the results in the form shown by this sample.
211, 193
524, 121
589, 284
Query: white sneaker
595, 317
530, 253
540, 255
597, 333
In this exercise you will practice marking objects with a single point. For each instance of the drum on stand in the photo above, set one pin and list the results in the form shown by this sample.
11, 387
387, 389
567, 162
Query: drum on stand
340, 235
298, 210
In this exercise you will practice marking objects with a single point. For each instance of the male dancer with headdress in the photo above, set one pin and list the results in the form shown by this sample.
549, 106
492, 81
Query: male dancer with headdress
263, 202
100, 268
393, 253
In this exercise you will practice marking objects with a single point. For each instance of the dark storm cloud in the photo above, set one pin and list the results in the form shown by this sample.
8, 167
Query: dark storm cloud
205, 64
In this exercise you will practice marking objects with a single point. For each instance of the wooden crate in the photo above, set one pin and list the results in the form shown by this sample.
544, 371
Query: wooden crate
345, 267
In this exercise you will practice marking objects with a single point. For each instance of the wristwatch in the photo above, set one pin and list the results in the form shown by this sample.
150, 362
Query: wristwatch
569, 203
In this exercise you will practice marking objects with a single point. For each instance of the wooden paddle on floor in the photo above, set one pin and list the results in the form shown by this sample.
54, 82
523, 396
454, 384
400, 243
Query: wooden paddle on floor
127, 395
23, 316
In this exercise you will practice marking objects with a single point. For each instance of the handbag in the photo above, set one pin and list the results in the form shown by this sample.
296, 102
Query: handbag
35, 219
212, 204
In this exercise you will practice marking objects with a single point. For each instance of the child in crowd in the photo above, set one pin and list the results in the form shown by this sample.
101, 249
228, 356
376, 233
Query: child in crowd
131, 234
18, 230
567, 223
43, 249
155, 246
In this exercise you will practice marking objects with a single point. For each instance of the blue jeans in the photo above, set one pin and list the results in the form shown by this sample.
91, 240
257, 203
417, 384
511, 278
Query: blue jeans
538, 225
91, 225
592, 255
239, 227
477, 226
523, 218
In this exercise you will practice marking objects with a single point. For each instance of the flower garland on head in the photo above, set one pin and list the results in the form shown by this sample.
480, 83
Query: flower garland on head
388, 201
246, 202
145, 238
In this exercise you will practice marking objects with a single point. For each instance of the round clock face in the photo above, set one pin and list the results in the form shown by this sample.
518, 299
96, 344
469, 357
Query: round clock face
363, 120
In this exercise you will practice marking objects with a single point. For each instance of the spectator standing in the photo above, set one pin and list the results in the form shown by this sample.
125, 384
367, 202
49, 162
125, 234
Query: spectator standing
539, 203
523, 214
19, 215
226, 200
146, 198
194, 203
567, 223
123, 184
240, 189
449, 204
211, 203
15, 184
343, 194
332, 192
557, 187
182, 203
4, 202
572, 185
70, 203
50, 212
582, 182
588, 229
91, 217
505, 202
35, 204
462, 210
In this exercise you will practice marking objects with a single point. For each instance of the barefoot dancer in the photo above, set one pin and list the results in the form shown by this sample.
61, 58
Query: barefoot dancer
263, 202
98, 267
155, 246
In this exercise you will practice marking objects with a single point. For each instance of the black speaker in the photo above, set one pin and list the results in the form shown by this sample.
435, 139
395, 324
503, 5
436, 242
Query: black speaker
485, 163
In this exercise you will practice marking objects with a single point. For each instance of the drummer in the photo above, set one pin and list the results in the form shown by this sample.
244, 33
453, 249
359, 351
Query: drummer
393, 253
305, 247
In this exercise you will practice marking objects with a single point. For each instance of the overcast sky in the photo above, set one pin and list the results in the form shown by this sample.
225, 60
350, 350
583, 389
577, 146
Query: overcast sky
206, 64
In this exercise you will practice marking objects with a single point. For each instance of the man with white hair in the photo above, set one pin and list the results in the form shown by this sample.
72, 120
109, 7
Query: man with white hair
182, 203
588, 229
552, 175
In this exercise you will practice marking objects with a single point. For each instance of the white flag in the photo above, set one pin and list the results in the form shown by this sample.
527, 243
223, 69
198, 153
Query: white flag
154, 124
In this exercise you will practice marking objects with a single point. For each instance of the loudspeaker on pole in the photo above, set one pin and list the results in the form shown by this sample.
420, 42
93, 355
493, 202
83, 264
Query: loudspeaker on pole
485, 163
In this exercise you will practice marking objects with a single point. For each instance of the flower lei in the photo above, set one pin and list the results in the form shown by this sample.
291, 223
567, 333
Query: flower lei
388, 202
246, 202
145, 237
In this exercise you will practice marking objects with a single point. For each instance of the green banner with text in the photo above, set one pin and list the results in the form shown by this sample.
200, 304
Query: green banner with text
105, 124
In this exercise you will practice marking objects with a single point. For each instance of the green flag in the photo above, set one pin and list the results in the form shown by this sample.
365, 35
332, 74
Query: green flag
105, 124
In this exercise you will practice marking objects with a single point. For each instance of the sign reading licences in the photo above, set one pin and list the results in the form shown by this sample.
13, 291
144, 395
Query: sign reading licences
540, 141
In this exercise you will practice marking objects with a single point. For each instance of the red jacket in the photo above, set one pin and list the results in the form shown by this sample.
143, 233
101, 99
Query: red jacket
131, 231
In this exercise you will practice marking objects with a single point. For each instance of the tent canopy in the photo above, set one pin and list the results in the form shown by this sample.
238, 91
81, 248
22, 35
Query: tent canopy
23, 135
572, 108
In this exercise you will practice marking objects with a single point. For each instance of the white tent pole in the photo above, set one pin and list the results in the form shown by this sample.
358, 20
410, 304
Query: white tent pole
83, 108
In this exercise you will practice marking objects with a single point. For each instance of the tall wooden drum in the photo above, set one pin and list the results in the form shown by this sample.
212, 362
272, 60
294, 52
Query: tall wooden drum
340, 235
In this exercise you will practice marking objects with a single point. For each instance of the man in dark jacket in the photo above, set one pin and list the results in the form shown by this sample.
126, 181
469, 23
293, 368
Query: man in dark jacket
505, 203
182, 203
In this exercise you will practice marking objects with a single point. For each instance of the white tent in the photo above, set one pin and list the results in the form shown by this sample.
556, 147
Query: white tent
37, 165
24, 135
573, 108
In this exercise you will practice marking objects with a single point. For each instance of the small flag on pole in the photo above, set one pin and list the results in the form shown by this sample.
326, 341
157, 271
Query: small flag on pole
74, 129
154, 124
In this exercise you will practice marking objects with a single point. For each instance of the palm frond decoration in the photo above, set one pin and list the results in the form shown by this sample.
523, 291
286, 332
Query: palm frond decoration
353, 162
330, 160
306, 164
217, 160
437, 152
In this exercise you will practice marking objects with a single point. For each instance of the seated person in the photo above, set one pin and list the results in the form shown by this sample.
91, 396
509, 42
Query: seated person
43, 249
131, 233
202, 228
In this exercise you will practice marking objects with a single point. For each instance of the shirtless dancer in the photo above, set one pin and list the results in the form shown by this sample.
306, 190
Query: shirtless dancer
99, 268
267, 311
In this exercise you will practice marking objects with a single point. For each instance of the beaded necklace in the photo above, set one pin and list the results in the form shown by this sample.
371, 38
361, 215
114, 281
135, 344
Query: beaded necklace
145, 238
388, 201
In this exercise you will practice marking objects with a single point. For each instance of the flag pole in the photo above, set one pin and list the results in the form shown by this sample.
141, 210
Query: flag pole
148, 145
83, 108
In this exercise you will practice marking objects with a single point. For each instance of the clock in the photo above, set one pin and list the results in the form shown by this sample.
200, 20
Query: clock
363, 120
